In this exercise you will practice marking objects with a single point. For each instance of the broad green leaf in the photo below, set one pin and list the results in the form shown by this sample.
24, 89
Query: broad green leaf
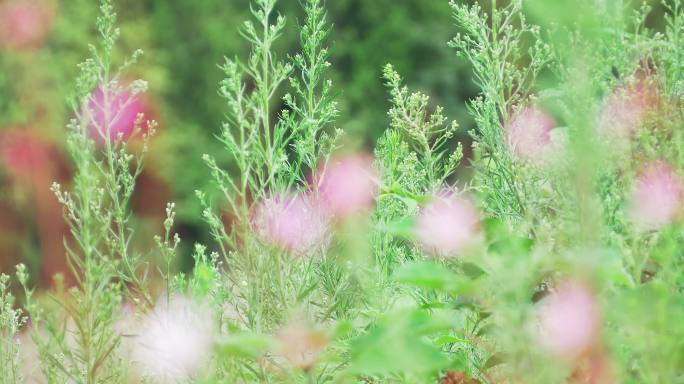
397, 345
245, 345
447, 339
426, 275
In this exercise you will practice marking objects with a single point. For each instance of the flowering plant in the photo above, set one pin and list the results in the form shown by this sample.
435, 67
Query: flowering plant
550, 253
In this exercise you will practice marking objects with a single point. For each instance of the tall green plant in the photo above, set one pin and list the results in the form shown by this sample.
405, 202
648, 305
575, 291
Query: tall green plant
81, 344
505, 72
273, 152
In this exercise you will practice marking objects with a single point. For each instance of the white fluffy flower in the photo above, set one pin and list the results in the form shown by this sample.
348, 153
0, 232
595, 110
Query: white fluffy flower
175, 341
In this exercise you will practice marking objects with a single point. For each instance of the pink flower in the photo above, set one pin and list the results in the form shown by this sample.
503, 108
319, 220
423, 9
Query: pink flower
348, 185
25, 24
625, 109
569, 320
301, 345
656, 197
448, 226
293, 223
528, 135
118, 118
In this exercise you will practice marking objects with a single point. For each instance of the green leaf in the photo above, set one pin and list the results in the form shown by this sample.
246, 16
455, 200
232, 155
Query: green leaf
425, 323
244, 345
447, 339
393, 349
493, 361
514, 246
472, 270
342, 330
430, 275
426, 275
403, 227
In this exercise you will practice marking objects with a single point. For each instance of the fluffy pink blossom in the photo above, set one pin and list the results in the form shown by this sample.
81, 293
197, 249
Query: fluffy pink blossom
528, 135
301, 345
348, 185
448, 226
25, 24
174, 341
119, 118
293, 223
625, 109
656, 197
568, 320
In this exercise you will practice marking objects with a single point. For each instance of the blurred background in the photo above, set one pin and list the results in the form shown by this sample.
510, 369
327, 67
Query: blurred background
42, 41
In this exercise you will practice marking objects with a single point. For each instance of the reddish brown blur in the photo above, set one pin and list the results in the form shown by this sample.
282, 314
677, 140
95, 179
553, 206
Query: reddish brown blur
25, 24
32, 165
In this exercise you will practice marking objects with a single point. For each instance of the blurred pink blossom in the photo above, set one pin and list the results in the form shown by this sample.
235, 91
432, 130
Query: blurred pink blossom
624, 110
301, 345
656, 197
25, 24
569, 320
348, 185
120, 118
448, 226
174, 341
528, 135
294, 223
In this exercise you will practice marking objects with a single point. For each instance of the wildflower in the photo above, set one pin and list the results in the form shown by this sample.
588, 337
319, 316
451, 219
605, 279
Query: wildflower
569, 320
448, 226
348, 185
529, 135
656, 197
294, 223
25, 24
174, 341
625, 109
119, 119
300, 345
